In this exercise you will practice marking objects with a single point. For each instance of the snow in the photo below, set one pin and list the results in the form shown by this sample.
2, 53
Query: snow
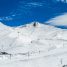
60, 20
33, 46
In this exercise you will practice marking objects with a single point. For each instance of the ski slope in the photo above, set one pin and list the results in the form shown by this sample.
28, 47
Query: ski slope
33, 45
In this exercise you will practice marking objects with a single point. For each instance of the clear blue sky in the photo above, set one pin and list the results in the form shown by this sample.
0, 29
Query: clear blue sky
18, 12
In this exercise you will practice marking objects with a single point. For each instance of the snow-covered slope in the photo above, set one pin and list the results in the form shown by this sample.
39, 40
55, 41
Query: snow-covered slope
34, 44
60, 20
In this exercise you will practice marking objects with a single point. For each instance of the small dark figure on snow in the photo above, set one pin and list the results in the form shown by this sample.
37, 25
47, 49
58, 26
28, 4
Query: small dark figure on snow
34, 24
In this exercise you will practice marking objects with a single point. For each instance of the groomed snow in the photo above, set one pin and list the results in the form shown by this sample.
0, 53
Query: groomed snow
33, 45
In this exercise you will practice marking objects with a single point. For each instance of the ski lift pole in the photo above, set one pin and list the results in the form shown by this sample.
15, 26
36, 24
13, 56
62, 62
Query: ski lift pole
28, 55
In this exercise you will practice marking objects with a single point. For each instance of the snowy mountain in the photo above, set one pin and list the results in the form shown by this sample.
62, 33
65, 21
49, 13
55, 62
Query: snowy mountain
33, 45
60, 20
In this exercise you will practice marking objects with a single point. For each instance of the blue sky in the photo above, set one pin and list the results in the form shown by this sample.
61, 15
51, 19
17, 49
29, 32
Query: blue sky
18, 12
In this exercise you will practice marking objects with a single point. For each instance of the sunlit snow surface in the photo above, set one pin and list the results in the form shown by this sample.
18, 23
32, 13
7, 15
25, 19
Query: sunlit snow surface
33, 45
60, 20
